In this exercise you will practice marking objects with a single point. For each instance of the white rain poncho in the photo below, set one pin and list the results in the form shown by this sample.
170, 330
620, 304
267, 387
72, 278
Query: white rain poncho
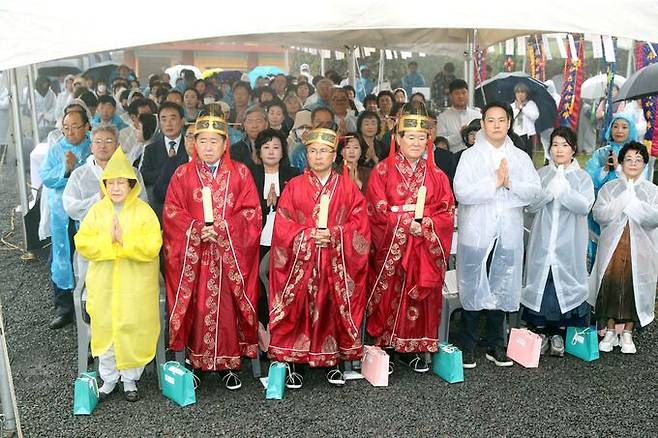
488, 215
558, 237
619, 201
83, 189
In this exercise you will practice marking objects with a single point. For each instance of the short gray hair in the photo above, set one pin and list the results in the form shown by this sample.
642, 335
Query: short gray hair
521, 87
106, 127
256, 109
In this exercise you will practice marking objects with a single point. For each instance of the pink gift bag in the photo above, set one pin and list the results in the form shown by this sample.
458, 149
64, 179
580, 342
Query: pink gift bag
524, 347
374, 365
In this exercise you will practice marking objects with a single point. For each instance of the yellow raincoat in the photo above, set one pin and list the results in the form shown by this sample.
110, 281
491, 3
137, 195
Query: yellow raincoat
122, 280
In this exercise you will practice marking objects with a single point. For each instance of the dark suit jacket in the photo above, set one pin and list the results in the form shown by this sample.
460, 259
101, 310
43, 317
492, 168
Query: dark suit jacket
155, 159
286, 173
445, 160
241, 152
162, 183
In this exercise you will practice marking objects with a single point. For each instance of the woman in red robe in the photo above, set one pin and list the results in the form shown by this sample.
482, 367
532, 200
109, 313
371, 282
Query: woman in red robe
409, 257
212, 270
317, 274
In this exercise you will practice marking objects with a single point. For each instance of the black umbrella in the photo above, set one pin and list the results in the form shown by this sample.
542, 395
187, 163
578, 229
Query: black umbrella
58, 70
229, 75
501, 88
105, 71
642, 83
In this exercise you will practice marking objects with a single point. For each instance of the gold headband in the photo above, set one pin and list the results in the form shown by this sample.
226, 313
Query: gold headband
211, 123
323, 136
414, 122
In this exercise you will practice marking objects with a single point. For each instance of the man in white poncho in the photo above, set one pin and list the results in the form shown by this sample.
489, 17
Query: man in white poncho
494, 181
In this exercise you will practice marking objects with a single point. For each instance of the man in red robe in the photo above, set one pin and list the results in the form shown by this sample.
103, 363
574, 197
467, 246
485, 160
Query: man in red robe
318, 271
212, 262
409, 257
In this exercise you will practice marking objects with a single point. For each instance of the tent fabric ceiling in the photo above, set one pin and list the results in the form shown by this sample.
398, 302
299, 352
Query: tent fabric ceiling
33, 31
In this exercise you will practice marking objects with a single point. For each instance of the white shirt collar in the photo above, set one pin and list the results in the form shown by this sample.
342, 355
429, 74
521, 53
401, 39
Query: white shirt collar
167, 140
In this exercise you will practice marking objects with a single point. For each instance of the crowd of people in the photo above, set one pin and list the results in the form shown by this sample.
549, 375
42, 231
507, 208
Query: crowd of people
348, 206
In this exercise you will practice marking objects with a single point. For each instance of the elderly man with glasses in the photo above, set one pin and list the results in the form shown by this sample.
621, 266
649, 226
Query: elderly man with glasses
64, 157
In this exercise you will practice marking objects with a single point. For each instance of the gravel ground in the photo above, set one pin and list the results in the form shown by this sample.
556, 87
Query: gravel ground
614, 396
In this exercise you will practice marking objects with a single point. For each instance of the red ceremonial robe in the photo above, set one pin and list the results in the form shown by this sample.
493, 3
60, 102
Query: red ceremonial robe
317, 295
406, 273
212, 288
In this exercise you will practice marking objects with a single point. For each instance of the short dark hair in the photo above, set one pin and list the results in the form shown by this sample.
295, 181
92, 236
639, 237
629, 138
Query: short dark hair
278, 103
258, 92
412, 63
125, 94
171, 105
457, 84
634, 146
441, 139
175, 92
388, 93
320, 109
567, 134
418, 93
348, 87
149, 125
136, 104
368, 115
89, 99
495, 104
242, 84
369, 98
268, 134
198, 96
106, 98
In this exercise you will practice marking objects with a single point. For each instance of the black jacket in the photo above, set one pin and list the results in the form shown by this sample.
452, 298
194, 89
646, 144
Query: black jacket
286, 173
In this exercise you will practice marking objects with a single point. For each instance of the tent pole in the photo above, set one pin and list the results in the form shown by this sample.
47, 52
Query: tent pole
380, 75
18, 142
286, 60
33, 104
470, 67
351, 66
631, 56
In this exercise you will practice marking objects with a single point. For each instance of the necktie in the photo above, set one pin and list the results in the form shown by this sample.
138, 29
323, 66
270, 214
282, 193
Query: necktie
212, 169
172, 148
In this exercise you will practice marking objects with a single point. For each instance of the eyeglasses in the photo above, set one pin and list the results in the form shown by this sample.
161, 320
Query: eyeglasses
633, 161
71, 128
107, 141
321, 152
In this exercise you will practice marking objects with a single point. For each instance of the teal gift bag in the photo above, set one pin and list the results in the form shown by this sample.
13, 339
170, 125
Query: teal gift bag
85, 394
178, 383
583, 343
447, 363
276, 381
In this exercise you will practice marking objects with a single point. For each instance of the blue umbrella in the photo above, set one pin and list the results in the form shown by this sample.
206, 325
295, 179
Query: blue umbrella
263, 71
501, 88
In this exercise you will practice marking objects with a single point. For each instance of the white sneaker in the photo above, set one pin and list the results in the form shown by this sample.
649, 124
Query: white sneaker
627, 344
609, 341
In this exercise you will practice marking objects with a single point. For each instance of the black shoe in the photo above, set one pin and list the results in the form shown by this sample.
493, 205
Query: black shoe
416, 362
468, 359
131, 396
498, 356
61, 321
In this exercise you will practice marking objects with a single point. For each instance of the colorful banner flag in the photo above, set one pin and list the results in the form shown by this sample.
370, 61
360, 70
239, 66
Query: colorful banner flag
569, 108
509, 63
536, 58
612, 70
480, 66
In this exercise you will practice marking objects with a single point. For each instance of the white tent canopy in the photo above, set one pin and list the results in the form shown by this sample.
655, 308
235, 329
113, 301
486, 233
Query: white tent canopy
33, 31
